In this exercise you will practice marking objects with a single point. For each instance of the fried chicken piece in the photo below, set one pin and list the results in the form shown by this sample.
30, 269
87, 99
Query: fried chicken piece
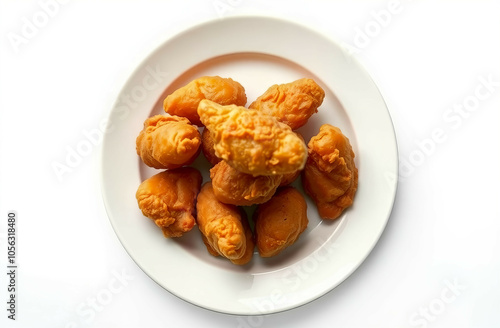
247, 255
234, 187
207, 147
288, 178
251, 141
184, 101
280, 221
330, 176
168, 142
224, 228
168, 198
291, 103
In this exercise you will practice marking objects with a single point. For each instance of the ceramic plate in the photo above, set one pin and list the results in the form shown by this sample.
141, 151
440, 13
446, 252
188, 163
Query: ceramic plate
244, 49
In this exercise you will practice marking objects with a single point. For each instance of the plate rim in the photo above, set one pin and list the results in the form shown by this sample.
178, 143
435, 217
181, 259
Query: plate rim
192, 29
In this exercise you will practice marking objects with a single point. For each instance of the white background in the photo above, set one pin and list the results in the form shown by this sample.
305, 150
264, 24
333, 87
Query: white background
436, 265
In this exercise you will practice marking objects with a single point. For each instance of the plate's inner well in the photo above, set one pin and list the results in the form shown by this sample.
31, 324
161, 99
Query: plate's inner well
256, 72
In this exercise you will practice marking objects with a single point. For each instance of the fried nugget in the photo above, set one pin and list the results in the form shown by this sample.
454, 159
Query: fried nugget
168, 142
224, 228
207, 147
330, 176
168, 198
291, 103
280, 221
251, 141
234, 187
288, 178
184, 101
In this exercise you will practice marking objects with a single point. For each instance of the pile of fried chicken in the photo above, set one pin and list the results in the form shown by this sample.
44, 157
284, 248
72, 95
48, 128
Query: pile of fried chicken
255, 153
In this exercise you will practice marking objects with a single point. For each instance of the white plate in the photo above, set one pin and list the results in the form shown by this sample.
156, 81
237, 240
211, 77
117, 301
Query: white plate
257, 52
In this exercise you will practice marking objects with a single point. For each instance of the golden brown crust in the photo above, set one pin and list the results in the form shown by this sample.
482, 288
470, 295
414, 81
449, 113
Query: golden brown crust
291, 103
184, 101
207, 146
168, 142
224, 227
289, 178
280, 221
233, 187
252, 142
168, 198
330, 176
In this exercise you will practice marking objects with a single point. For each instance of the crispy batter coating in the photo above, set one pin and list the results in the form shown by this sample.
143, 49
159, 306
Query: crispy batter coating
168, 198
280, 221
330, 176
168, 142
251, 141
291, 103
184, 101
288, 178
207, 146
247, 256
224, 227
234, 187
